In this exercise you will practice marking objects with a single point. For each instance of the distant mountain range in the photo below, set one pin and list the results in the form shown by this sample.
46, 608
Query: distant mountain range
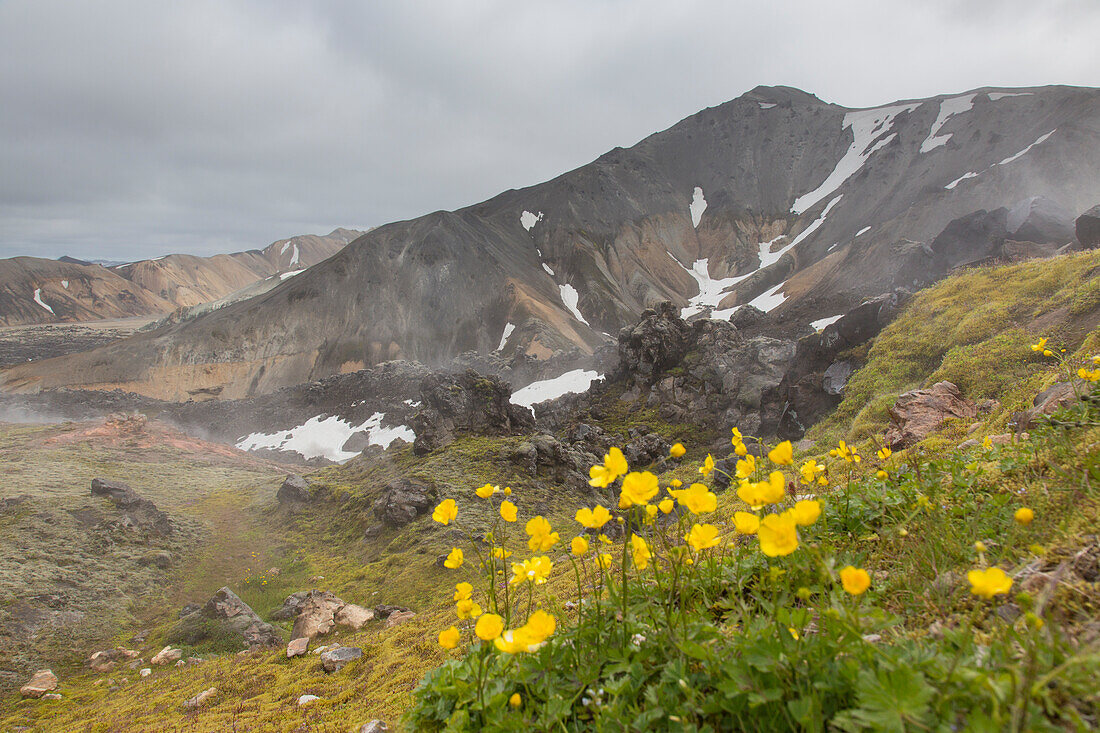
776, 200
36, 290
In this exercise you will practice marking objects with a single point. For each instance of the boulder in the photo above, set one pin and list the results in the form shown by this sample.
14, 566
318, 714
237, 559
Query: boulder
167, 655
353, 616
145, 672
646, 449
397, 618
294, 490
40, 683
656, 343
137, 511
107, 659
316, 615
200, 699
1040, 220
921, 412
836, 377
307, 700
384, 610
297, 647
404, 500
225, 614
1087, 228
335, 659
291, 605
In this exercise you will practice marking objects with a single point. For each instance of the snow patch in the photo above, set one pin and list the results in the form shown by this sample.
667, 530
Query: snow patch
948, 108
38, 299
325, 438
412, 403
1025, 151
548, 270
508, 328
528, 220
960, 179
570, 297
769, 299
862, 231
821, 323
711, 291
294, 259
65, 284
767, 257
577, 380
285, 245
766, 105
868, 135
697, 207
994, 96
292, 273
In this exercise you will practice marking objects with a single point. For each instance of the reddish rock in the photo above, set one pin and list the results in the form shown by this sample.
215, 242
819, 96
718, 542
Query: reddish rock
398, 617
921, 412
43, 681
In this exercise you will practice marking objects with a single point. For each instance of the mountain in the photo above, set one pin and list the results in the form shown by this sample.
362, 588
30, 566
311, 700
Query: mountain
777, 200
36, 290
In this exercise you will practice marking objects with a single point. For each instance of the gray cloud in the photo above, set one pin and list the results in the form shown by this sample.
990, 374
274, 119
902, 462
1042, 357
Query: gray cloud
130, 129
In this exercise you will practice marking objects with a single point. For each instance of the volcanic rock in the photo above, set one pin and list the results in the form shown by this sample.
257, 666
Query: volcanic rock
294, 490
336, 659
404, 500
40, 683
1087, 228
136, 510
465, 403
921, 412
297, 647
200, 699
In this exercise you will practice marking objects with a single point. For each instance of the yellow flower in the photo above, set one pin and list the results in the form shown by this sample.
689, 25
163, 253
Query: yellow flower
1041, 346
454, 560
881, 475
806, 512
979, 546
855, 580
1093, 376
651, 511
697, 498
675, 483
740, 449
614, 465
489, 627
500, 553
508, 511
528, 637
884, 453
541, 538
639, 551
677, 450
604, 560
665, 506
579, 546
593, 518
466, 608
746, 467
540, 626
535, 570
737, 437
463, 591
449, 638
848, 454
782, 454
486, 491
793, 632
446, 512
708, 465
1024, 515
639, 488
989, 583
507, 490
762, 493
810, 470
515, 700
603, 538
778, 535
987, 442
746, 523
702, 537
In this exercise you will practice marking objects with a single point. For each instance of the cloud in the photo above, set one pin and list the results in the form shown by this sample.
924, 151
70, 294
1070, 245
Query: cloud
130, 129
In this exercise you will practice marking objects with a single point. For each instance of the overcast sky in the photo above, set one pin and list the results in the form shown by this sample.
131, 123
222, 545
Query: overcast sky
131, 129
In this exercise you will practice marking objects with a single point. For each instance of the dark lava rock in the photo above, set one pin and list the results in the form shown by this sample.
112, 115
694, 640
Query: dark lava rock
1040, 220
403, 501
836, 377
657, 342
1087, 228
294, 489
291, 606
970, 239
646, 449
384, 610
336, 659
465, 403
136, 510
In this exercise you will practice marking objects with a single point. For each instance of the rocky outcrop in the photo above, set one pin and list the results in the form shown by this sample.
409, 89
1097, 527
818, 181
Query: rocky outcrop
226, 614
336, 659
404, 500
921, 412
465, 403
657, 342
137, 511
167, 655
317, 612
200, 700
1087, 228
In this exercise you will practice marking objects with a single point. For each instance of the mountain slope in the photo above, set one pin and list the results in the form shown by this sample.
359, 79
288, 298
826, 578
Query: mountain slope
775, 199
36, 290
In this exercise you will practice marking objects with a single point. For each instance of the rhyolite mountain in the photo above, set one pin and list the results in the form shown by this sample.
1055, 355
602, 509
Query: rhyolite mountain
776, 199
39, 290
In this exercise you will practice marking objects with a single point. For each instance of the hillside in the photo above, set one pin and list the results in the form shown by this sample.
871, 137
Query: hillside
776, 199
36, 290
734, 639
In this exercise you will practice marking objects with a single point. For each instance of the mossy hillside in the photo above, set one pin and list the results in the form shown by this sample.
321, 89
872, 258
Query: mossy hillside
973, 329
